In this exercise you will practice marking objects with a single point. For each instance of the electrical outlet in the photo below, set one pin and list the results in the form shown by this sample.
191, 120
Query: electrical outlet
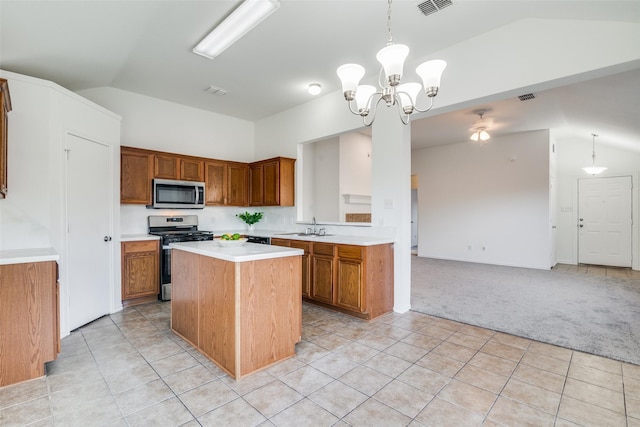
388, 203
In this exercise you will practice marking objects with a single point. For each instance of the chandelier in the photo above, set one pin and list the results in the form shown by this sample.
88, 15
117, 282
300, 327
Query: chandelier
404, 96
593, 169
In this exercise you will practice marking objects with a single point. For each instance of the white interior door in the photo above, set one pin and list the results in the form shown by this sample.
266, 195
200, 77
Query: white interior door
89, 244
604, 221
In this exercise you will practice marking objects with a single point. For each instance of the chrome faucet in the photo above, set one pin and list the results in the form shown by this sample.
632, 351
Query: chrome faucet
315, 229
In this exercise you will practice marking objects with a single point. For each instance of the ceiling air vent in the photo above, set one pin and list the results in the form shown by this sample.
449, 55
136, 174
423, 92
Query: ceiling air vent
431, 6
526, 97
215, 90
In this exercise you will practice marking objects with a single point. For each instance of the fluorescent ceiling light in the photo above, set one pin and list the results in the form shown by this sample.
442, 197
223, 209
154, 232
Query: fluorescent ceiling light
242, 20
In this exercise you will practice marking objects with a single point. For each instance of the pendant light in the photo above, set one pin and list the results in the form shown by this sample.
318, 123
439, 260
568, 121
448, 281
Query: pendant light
593, 169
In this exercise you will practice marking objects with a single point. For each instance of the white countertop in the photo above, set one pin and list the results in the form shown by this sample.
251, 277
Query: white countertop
246, 252
330, 238
21, 256
136, 237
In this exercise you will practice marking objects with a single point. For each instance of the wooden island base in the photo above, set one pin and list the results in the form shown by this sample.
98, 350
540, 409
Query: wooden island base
244, 316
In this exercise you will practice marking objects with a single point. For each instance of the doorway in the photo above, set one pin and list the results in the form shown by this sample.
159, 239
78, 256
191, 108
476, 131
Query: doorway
604, 221
89, 243
414, 214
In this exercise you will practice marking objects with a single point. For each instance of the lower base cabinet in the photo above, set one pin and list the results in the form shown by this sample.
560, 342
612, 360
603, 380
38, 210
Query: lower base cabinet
357, 280
29, 320
140, 271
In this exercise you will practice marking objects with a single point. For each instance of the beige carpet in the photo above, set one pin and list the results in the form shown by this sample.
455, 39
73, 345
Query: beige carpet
594, 314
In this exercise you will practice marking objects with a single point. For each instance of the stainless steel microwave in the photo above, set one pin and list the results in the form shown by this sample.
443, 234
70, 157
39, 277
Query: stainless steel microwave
172, 194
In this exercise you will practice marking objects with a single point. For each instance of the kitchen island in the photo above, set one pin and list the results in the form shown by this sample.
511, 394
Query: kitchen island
240, 306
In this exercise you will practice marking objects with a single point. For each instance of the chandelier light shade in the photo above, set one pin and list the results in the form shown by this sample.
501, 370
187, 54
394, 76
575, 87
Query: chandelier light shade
404, 96
242, 20
593, 169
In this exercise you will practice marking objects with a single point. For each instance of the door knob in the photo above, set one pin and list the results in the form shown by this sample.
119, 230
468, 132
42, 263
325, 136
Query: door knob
581, 225
107, 238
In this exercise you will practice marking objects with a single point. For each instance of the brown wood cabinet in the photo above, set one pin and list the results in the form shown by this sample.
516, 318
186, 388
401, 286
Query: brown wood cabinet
191, 169
29, 320
227, 183
350, 279
140, 271
215, 180
135, 176
166, 166
244, 316
237, 185
322, 276
272, 182
306, 264
5, 107
356, 280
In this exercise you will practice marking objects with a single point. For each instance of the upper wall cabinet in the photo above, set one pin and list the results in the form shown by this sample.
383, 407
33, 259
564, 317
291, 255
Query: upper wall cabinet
5, 103
265, 183
237, 186
272, 182
225, 183
168, 166
136, 168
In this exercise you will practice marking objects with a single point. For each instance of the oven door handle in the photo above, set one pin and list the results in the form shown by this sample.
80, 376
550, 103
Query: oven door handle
166, 248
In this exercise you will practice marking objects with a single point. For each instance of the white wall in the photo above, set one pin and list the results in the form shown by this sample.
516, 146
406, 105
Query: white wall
486, 204
355, 171
573, 155
33, 214
156, 124
557, 52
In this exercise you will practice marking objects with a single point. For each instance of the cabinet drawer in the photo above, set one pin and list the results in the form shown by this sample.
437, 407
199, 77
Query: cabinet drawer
139, 246
323, 249
306, 246
280, 242
354, 252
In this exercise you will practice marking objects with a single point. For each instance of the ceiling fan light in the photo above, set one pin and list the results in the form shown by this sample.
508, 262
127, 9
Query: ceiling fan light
484, 135
392, 59
475, 136
431, 73
350, 75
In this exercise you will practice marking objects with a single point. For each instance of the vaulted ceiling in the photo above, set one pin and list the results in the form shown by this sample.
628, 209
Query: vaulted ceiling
145, 47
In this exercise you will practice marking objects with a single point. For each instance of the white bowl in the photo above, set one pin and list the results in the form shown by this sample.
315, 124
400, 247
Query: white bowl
231, 243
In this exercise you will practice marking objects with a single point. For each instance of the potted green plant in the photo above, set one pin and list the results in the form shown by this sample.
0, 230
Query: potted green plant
250, 218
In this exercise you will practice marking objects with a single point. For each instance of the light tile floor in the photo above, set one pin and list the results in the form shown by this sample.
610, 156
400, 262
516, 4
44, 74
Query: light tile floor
128, 369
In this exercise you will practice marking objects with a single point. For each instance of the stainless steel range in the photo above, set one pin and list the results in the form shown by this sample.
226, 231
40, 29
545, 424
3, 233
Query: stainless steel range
173, 229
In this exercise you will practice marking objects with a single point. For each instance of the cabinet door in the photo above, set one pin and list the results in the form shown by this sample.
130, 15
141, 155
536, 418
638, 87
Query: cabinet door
349, 287
350, 278
322, 274
140, 269
306, 265
135, 177
271, 183
237, 188
215, 181
256, 185
166, 167
191, 170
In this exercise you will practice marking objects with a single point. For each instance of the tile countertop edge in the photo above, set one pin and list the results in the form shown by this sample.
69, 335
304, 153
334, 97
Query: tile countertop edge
21, 256
244, 253
137, 237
